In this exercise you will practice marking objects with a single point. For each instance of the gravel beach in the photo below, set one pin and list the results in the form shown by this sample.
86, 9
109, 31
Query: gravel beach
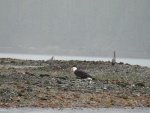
39, 83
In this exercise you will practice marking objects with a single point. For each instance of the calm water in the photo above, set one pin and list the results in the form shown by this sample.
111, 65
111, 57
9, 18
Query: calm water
142, 62
49, 110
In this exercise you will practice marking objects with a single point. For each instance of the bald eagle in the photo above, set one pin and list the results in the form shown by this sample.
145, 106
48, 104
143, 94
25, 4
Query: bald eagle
81, 74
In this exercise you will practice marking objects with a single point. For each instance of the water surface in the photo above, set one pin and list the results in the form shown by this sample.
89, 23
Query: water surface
49, 110
142, 62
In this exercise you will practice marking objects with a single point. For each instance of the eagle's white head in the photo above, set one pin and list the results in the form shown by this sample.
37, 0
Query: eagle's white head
73, 69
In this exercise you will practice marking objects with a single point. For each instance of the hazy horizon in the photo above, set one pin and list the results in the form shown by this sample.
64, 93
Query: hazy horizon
76, 28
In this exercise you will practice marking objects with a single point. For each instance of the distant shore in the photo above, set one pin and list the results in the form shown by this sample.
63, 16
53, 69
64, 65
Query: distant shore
132, 61
39, 83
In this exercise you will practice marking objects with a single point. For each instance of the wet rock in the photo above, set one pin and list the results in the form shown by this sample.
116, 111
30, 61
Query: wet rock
139, 85
44, 75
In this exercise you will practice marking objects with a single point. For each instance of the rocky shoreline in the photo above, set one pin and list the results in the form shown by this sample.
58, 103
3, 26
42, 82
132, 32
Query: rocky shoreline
30, 83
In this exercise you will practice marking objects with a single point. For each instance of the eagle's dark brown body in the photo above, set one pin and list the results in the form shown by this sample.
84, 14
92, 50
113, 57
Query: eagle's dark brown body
81, 74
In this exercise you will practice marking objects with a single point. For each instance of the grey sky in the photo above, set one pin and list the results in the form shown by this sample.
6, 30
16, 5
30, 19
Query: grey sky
76, 27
